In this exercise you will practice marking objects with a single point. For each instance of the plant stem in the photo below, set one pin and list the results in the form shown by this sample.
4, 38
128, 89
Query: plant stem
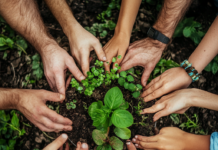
47, 135
20, 48
133, 74
108, 130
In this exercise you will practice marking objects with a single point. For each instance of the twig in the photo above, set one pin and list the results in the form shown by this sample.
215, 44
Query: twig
12, 66
47, 135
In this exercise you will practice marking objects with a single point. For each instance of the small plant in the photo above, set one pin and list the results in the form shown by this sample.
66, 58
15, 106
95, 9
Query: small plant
175, 118
9, 130
28, 80
71, 105
138, 108
142, 123
212, 66
112, 113
189, 29
37, 66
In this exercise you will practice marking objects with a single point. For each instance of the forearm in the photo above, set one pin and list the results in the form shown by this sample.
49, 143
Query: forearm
171, 13
63, 14
8, 98
204, 99
127, 16
197, 142
207, 49
23, 16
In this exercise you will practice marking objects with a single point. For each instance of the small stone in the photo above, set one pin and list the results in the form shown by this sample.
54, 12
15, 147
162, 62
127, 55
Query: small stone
142, 16
27, 144
38, 140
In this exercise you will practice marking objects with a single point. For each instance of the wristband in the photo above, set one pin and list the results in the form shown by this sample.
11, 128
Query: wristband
192, 72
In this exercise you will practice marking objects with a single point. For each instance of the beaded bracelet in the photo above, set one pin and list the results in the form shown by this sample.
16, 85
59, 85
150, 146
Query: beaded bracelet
190, 70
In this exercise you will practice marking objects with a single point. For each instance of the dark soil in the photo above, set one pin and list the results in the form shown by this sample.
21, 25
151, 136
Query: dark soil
14, 69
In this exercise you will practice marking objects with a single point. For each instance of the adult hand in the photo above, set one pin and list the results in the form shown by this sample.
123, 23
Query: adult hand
32, 104
171, 80
145, 53
176, 102
81, 43
171, 138
115, 47
56, 61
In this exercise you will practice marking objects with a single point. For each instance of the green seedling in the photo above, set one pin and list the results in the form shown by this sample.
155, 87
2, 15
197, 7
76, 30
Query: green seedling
113, 112
71, 105
28, 80
175, 118
138, 108
37, 66
212, 66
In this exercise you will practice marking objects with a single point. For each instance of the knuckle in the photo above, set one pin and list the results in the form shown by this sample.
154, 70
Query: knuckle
49, 125
153, 94
39, 111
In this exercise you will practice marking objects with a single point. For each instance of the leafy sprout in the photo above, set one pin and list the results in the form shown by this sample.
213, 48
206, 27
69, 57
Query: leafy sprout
71, 105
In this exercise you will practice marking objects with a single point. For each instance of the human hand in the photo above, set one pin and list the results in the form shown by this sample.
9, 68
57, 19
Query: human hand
171, 80
56, 61
32, 104
81, 43
176, 102
145, 53
58, 143
115, 47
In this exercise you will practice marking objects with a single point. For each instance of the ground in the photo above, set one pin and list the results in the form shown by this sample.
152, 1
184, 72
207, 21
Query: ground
14, 69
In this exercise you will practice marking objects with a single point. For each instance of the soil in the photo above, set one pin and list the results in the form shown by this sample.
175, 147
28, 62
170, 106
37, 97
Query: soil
14, 69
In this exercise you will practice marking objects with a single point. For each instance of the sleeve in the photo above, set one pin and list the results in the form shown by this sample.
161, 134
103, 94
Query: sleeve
214, 141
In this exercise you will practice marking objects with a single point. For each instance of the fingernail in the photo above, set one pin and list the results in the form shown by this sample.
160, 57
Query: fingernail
136, 136
104, 59
128, 143
82, 77
84, 145
62, 97
134, 140
64, 136
136, 145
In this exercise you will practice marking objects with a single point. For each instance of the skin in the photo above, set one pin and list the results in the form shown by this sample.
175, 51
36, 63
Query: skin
56, 61
202, 55
119, 43
81, 41
171, 138
32, 104
147, 52
58, 144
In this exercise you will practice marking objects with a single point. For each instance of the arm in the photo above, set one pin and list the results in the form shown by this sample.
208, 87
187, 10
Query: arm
147, 52
24, 17
32, 104
119, 43
202, 55
81, 41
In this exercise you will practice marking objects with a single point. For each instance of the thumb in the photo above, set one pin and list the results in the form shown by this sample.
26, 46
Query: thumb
99, 52
57, 143
146, 75
83, 146
130, 145
51, 96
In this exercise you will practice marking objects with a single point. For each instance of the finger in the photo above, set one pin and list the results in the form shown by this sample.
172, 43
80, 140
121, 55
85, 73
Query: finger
152, 89
160, 114
128, 64
85, 63
126, 58
51, 96
51, 84
59, 82
61, 148
56, 118
158, 93
153, 109
108, 63
99, 51
152, 82
130, 145
146, 75
57, 143
75, 70
84, 146
119, 60
42, 127
145, 145
140, 147
67, 146
68, 81
78, 146
146, 139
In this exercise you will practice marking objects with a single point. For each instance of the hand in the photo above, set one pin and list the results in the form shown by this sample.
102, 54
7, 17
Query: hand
176, 102
56, 61
115, 47
171, 80
171, 138
58, 143
145, 53
81, 43
32, 104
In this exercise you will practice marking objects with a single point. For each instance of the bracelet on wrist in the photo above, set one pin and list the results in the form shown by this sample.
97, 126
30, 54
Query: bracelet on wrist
192, 72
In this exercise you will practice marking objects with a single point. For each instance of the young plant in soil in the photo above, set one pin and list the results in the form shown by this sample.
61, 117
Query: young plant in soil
113, 112
71, 105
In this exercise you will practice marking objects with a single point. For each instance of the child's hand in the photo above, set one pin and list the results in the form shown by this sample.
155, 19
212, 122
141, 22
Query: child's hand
172, 138
116, 46
171, 80
176, 102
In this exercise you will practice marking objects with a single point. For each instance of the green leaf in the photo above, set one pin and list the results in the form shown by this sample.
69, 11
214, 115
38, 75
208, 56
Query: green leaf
123, 133
175, 118
208, 68
131, 70
130, 78
9, 42
11, 143
187, 31
2, 41
98, 117
114, 59
119, 57
126, 85
116, 143
104, 147
15, 121
216, 59
122, 118
103, 34
139, 86
113, 98
123, 74
214, 67
124, 105
99, 137
121, 81
132, 87
35, 65
136, 94
94, 106
2, 141
156, 71
2, 48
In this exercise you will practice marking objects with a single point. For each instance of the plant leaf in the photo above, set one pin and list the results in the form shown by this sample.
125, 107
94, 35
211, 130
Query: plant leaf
122, 118
123, 74
15, 121
98, 117
123, 133
114, 59
124, 105
126, 85
121, 81
104, 147
130, 78
99, 137
116, 143
214, 67
136, 94
208, 68
113, 98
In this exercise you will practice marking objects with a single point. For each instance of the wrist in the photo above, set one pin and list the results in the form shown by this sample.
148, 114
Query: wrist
155, 43
122, 32
9, 98
71, 28
163, 30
